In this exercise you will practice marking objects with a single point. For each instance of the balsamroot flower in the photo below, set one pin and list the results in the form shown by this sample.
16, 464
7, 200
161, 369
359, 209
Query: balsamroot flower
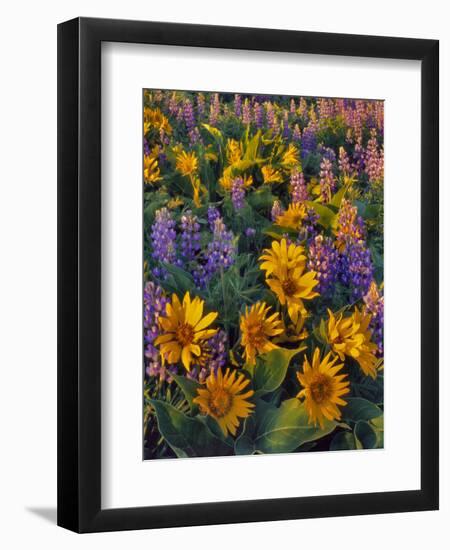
184, 329
257, 330
293, 216
322, 388
186, 163
286, 277
223, 398
351, 336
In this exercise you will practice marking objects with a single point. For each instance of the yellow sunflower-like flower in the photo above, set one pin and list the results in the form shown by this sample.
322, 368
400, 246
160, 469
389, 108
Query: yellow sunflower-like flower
185, 329
234, 151
187, 163
323, 388
281, 257
351, 336
293, 216
151, 169
286, 277
271, 174
154, 118
257, 329
222, 398
290, 157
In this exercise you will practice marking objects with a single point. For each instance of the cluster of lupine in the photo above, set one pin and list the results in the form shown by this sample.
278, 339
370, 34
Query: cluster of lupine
263, 250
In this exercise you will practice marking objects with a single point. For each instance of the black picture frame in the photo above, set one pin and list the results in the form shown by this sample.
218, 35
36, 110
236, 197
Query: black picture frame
79, 274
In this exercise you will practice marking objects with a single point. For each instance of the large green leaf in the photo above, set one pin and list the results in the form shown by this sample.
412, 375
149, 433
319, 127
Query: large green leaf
283, 429
358, 408
251, 151
378, 426
179, 280
189, 388
188, 437
271, 369
365, 434
343, 441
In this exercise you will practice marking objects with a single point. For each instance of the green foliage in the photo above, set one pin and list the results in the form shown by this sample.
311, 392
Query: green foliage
271, 369
188, 437
279, 429
360, 409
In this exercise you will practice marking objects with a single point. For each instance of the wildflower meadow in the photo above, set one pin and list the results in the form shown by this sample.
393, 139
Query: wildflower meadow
263, 274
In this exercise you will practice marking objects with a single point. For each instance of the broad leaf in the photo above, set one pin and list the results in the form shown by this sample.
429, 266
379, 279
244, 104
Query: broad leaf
284, 429
365, 434
271, 369
343, 441
358, 408
188, 437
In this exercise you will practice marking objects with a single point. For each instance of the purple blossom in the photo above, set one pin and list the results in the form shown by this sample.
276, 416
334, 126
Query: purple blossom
309, 139
292, 106
220, 254
246, 112
237, 193
297, 187
190, 235
309, 227
323, 258
327, 180
373, 159
277, 210
344, 162
154, 306
214, 110
356, 269
237, 105
188, 115
200, 105
163, 239
296, 134
250, 232
374, 301
259, 115
213, 215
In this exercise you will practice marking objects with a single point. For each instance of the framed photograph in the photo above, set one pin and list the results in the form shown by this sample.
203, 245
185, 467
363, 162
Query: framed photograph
248, 275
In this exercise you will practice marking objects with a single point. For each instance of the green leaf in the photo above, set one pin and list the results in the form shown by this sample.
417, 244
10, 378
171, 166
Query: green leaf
327, 218
244, 443
215, 132
261, 199
358, 408
378, 426
182, 280
365, 434
338, 196
189, 388
271, 369
283, 429
188, 437
251, 151
343, 441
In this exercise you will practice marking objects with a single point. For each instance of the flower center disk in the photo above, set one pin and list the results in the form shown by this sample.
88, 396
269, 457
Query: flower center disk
185, 334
